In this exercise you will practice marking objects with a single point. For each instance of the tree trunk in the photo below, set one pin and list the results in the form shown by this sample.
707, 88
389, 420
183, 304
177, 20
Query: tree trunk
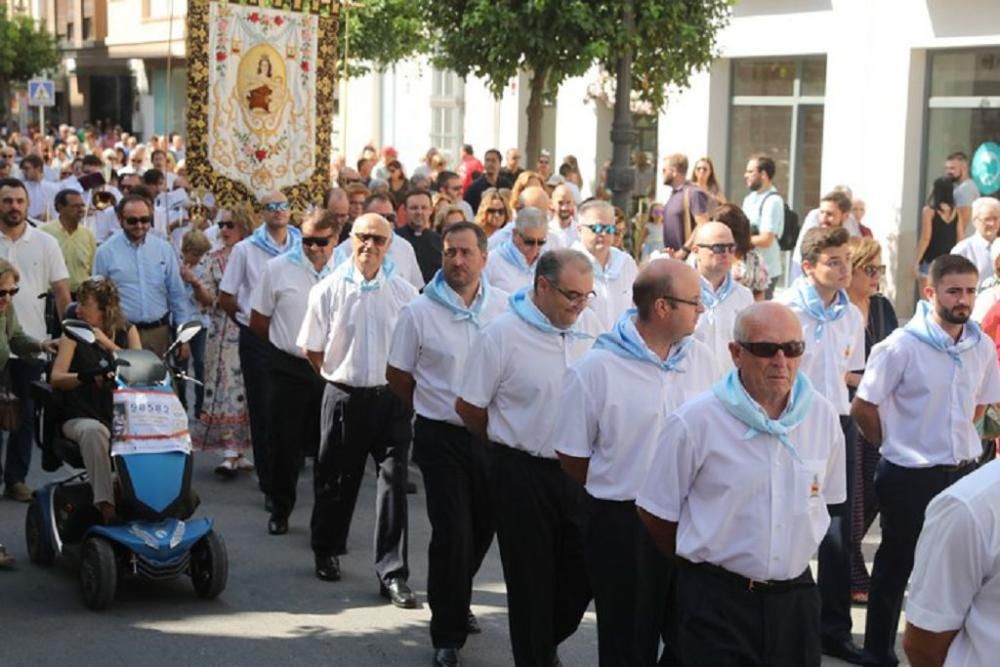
535, 111
5, 116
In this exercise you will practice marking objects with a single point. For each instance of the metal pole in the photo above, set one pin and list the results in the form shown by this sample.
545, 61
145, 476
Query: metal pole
623, 134
170, 50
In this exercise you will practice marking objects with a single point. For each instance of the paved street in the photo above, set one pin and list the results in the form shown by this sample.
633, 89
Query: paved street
274, 611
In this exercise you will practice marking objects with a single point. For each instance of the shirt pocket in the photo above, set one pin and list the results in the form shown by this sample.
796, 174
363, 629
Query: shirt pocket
809, 501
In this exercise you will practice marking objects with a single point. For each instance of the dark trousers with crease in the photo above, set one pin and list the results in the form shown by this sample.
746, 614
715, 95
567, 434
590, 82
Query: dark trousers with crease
903, 495
296, 402
634, 587
255, 357
357, 423
20, 441
833, 574
540, 520
453, 463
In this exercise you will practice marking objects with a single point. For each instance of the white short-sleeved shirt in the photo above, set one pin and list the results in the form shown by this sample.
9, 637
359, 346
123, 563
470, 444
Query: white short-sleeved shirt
614, 296
715, 325
400, 252
567, 236
746, 505
39, 260
956, 572
926, 401
246, 261
516, 372
353, 326
41, 199
612, 409
434, 348
980, 252
840, 350
504, 275
282, 294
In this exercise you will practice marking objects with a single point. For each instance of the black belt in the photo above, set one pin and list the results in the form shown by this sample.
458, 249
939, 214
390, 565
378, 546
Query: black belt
752, 585
961, 465
362, 391
162, 322
523, 454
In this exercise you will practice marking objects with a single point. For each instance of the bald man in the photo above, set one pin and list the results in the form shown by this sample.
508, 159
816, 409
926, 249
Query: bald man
604, 438
562, 224
346, 333
722, 297
745, 593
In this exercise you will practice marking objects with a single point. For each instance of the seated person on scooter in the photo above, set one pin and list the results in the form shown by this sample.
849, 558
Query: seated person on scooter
89, 384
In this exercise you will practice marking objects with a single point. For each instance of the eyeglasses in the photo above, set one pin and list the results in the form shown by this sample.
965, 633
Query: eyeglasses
391, 217
533, 242
226, 224
138, 220
276, 206
602, 229
376, 239
719, 248
576, 297
321, 241
496, 211
874, 270
674, 299
791, 349
4, 293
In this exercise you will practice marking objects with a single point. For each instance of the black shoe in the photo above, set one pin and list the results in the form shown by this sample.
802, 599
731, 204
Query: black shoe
411, 488
472, 624
396, 591
446, 657
327, 568
845, 649
277, 525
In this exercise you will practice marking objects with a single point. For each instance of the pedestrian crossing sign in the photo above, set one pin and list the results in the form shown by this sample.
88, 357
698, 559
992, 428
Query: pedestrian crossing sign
41, 93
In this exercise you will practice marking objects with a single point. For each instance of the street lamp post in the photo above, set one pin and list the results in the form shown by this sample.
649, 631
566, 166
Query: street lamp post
622, 176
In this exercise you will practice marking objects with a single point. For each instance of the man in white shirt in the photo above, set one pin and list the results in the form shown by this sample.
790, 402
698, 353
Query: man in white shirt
834, 333
923, 389
614, 270
401, 252
510, 395
765, 209
41, 193
511, 265
834, 211
980, 248
954, 602
563, 223
613, 404
346, 335
246, 261
532, 196
722, 297
745, 592
296, 391
428, 359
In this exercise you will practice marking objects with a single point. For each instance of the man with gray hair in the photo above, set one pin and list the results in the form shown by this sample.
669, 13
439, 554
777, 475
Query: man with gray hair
532, 196
512, 265
510, 396
614, 270
981, 248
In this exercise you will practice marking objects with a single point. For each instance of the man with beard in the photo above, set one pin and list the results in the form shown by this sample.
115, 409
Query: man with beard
562, 224
765, 209
923, 388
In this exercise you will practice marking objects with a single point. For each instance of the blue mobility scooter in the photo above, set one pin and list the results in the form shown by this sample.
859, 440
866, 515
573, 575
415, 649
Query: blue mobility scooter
155, 537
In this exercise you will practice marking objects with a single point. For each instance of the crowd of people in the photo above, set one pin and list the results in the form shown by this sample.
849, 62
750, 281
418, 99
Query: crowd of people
640, 414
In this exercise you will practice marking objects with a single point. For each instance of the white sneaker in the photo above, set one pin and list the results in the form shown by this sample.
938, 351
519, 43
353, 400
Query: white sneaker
227, 468
243, 463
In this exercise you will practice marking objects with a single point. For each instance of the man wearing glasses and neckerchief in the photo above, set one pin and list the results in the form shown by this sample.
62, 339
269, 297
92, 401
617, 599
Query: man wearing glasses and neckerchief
614, 269
512, 265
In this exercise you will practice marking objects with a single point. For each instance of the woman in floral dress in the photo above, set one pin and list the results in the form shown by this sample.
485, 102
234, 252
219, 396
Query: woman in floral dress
224, 423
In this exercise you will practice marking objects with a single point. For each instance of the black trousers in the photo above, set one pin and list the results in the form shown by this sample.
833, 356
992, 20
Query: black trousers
634, 587
453, 463
296, 401
19, 442
255, 357
356, 424
540, 525
833, 575
903, 494
722, 624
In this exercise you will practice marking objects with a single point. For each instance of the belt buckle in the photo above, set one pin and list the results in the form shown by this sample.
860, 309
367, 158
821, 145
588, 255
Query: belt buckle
751, 583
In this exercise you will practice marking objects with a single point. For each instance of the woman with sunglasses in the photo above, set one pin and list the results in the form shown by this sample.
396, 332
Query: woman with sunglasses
867, 271
704, 177
224, 423
493, 212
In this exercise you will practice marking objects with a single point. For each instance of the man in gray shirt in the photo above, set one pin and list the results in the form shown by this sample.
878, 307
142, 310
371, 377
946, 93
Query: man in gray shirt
956, 166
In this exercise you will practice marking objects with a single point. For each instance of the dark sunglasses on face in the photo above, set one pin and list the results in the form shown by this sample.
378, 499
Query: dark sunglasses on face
276, 206
138, 220
226, 224
496, 211
533, 242
376, 239
792, 348
602, 229
321, 241
4, 293
873, 270
719, 248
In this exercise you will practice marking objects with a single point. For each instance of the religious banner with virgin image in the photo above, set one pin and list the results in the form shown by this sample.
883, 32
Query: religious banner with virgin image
260, 98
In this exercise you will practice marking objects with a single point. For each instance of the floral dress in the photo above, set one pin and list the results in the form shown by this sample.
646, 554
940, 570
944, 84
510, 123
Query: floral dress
224, 423
751, 272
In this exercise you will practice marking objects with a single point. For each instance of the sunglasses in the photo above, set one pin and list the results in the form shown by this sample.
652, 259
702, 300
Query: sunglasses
719, 248
391, 217
602, 229
276, 206
534, 242
792, 348
874, 270
4, 293
376, 239
140, 220
321, 241
226, 224
496, 211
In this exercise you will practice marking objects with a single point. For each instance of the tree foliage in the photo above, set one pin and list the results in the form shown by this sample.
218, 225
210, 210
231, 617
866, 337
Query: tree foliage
382, 32
26, 50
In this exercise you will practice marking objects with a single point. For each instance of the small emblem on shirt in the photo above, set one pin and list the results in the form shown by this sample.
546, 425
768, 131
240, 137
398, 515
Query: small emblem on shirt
814, 487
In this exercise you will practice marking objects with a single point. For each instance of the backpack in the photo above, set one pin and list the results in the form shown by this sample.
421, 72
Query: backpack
790, 230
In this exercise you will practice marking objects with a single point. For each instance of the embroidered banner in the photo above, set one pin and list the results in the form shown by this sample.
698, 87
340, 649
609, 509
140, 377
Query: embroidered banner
260, 98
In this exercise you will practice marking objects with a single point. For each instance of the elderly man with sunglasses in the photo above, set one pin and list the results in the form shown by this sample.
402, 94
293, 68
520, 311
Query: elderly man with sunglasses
346, 334
614, 270
737, 490
512, 265
401, 253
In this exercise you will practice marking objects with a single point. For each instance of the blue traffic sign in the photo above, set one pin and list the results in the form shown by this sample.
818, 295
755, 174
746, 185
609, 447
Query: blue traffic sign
41, 93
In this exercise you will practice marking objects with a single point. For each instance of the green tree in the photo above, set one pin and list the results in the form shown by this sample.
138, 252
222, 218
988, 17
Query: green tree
26, 50
381, 33
558, 39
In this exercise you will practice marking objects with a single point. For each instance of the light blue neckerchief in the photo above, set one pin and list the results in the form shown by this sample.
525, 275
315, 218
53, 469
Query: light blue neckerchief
263, 240
525, 308
386, 272
439, 291
731, 393
922, 327
297, 256
509, 252
805, 296
625, 341
710, 297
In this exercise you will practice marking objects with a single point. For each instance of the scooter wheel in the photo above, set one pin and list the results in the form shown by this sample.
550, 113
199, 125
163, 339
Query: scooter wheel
40, 549
98, 573
209, 566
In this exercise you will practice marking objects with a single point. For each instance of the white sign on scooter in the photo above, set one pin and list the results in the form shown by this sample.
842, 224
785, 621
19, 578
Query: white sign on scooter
149, 422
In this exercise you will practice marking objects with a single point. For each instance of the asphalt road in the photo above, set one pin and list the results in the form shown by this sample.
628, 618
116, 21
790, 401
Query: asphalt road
274, 611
